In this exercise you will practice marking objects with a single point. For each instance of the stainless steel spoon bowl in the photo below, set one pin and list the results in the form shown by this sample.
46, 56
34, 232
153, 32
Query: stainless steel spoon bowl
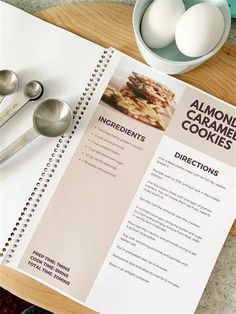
8, 83
32, 91
52, 117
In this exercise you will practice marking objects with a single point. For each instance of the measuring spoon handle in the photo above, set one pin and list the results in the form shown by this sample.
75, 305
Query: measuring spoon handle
12, 109
1, 98
18, 144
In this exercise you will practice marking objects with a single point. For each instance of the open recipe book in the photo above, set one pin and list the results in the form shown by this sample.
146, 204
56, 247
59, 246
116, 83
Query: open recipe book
126, 213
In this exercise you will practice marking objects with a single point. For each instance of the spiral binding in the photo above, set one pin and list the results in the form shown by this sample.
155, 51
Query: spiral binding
31, 205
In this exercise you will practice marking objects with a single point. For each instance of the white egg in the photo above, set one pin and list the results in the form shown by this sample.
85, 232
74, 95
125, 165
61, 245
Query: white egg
199, 30
159, 22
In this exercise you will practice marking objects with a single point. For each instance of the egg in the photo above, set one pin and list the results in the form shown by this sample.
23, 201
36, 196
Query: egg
199, 30
159, 22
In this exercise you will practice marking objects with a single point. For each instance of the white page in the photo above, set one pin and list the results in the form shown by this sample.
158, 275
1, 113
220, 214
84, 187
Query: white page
63, 62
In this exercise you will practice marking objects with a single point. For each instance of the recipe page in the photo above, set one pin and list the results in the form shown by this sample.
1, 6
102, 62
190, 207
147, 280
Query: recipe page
145, 195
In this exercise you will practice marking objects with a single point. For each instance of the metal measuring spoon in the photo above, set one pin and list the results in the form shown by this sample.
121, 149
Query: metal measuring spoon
8, 83
51, 118
31, 91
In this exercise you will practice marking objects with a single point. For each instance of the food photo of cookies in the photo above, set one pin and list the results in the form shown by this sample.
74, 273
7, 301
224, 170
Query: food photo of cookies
143, 99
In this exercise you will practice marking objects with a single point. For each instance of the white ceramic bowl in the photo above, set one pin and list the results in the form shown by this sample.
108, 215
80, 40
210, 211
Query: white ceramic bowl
169, 59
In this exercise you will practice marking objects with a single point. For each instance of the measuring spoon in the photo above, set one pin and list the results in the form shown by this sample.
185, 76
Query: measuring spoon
51, 118
8, 83
33, 90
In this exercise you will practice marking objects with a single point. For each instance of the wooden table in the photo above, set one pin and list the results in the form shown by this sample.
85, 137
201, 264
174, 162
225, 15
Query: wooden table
110, 25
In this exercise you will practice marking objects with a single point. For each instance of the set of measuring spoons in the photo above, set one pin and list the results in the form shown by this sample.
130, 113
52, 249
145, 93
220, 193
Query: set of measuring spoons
51, 118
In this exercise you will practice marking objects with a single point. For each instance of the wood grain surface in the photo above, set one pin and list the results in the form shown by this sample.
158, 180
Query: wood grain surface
38, 294
110, 25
